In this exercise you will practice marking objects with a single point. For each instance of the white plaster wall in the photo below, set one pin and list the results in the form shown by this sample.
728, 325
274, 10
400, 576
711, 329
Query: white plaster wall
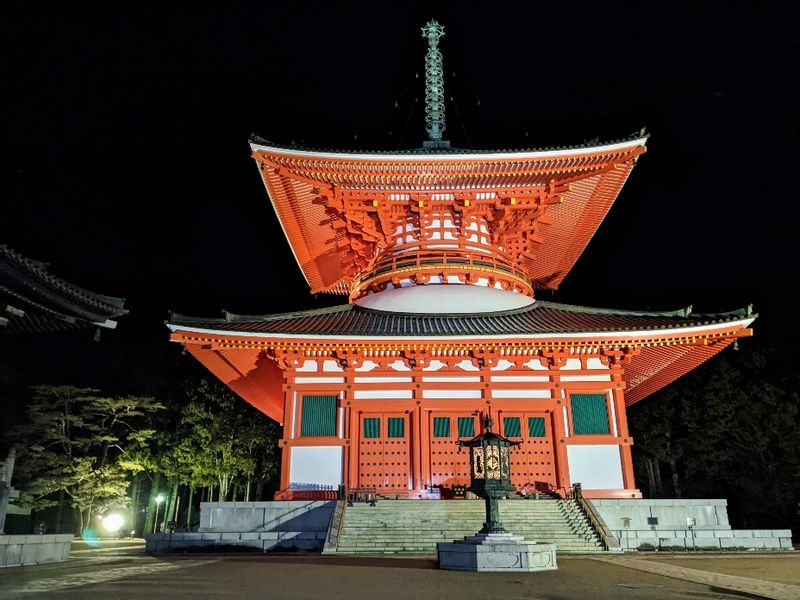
535, 365
319, 379
595, 363
586, 378
320, 465
367, 365
451, 393
595, 467
383, 394
435, 365
520, 393
441, 299
502, 365
521, 378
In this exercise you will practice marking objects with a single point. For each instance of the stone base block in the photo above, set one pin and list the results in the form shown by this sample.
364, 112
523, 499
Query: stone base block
496, 552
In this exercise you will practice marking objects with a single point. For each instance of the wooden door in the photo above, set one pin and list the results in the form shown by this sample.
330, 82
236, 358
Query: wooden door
532, 462
449, 463
384, 459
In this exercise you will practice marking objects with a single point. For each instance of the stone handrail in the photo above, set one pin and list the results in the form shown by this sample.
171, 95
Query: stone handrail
609, 540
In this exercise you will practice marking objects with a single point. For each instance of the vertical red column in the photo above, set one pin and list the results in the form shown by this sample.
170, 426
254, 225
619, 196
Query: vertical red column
618, 398
560, 434
417, 448
288, 433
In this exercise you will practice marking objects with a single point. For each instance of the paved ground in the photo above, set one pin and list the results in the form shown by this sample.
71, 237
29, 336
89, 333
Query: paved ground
780, 568
120, 570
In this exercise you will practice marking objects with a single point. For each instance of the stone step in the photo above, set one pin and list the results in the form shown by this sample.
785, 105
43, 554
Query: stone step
405, 527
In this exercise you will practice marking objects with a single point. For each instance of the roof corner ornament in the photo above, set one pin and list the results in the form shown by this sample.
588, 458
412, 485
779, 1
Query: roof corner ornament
434, 87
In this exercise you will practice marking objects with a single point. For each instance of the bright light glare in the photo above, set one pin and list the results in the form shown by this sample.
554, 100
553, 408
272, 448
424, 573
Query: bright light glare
159, 498
113, 522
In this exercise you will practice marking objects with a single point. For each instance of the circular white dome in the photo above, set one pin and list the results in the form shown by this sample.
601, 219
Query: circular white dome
444, 299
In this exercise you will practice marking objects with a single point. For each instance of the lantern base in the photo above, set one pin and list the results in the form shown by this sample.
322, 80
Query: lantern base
496, 552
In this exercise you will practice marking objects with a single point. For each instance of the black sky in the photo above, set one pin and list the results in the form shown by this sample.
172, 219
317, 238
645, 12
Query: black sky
126, 164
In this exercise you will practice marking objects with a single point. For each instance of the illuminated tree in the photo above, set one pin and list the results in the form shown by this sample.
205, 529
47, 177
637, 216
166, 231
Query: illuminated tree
72, 449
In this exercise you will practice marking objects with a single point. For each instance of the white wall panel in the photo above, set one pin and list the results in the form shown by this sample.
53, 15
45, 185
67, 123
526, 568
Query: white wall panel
595, 467
521, 393
316, 465
382, 394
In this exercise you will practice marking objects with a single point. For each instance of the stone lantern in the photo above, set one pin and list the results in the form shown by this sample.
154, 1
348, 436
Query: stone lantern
493, 548
490, 472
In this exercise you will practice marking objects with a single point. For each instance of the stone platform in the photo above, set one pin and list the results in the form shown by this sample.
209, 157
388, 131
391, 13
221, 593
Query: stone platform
20, 550
496, 552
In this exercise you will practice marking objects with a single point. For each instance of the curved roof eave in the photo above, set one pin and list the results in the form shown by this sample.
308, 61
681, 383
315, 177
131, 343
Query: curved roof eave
637, 140
611, 335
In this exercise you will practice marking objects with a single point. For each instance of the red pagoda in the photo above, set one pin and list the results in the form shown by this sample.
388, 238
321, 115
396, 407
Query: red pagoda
441, 252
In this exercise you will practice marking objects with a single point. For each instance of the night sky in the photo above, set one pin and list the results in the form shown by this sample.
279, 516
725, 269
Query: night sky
126, 161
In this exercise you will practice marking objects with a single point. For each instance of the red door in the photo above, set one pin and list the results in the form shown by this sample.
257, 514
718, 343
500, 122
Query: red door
384, 461
449, 463
532, 463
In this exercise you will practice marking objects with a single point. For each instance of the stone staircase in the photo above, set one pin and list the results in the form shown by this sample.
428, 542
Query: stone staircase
415, 526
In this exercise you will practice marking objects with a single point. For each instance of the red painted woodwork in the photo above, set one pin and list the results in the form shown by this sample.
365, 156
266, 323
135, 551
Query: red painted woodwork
385, 462
420, 267
364, 223
340, 211
449, 463
534, 464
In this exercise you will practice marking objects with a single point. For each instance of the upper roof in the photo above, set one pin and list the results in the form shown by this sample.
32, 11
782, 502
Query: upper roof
33, 300
259, 143
588, 179
539, 318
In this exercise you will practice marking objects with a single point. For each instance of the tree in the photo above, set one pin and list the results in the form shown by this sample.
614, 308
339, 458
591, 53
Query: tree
73, 449
730, 429
229, 442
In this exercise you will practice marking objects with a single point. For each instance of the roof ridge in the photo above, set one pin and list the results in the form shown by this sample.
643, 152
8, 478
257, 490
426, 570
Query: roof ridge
685, 312
40, 270
577, 308
257, 139
230, 317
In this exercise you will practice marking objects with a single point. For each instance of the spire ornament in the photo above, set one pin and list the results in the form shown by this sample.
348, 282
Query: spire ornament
434, 87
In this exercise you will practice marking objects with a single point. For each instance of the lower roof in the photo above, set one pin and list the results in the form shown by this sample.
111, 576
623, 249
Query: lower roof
537, 318
667, 344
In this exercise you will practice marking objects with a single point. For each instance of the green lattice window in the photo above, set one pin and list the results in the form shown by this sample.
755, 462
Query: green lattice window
319, 415
589, 414
441, 426
372, 427
511, 427
536, 427
396, 427
466, 427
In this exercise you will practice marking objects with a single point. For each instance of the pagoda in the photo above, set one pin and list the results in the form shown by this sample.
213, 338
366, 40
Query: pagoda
441, 253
